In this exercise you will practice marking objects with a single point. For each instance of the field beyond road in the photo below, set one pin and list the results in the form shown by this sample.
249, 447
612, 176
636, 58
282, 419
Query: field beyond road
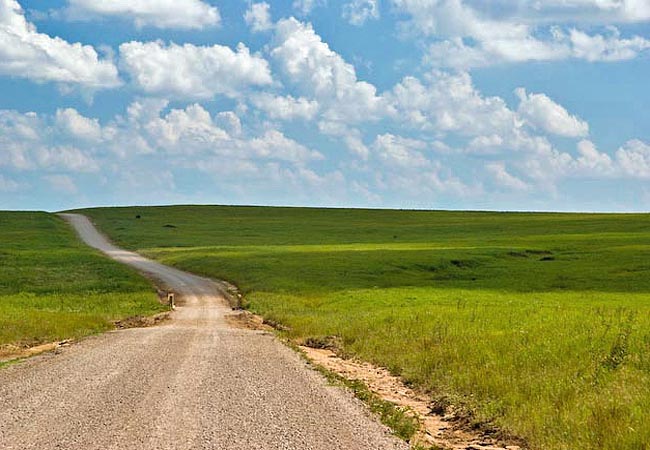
53, 287
536, 323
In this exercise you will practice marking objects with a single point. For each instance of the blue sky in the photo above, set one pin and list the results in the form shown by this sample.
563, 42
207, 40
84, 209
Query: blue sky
454, 104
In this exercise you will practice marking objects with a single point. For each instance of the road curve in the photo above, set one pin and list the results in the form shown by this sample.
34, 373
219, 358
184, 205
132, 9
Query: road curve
192, 383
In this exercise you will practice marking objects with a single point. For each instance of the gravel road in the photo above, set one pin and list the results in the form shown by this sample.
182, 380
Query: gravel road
192, 383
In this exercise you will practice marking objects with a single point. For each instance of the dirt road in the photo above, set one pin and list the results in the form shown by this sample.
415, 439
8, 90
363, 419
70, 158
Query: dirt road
192, 383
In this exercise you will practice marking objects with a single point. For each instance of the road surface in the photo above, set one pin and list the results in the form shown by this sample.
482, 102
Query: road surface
192, 383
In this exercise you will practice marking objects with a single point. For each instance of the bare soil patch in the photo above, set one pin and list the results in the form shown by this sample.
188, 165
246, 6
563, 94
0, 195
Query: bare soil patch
444, 430
247, 321
9, 352
142, 321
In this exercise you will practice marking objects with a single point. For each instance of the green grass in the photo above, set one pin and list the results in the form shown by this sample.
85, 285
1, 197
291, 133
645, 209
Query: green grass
536, 323
53, 287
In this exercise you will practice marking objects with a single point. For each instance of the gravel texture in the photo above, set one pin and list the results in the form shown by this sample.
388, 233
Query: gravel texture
191, 383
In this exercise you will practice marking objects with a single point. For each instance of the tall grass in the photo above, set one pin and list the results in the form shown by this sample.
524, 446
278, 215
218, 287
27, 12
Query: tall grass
536, 323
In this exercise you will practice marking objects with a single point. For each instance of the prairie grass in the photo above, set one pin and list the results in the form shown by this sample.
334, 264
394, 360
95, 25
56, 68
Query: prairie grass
536, 323
53, 287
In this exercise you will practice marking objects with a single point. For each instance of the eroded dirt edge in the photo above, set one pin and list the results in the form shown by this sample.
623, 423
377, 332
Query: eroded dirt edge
438, 429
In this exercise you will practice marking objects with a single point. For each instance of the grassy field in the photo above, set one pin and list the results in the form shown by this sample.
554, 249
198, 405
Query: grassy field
536, 323
52, 287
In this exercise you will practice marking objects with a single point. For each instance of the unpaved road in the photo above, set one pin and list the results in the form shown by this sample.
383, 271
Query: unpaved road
192, 383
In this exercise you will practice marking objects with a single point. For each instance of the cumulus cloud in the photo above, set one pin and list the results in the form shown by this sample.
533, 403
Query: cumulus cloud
328, 88
64, 157
504, 179
574, 44
192, 131
319, 73
230, 122
258, 17
159, 142
70, 121
397, 151
474, 34
541, 112
285, 108
401, 165
634, 158
486, 144
547, 165
274, 144
352, 137
305, 7
593, 161
610, 47
181, 14
193, 72
583, 10
448, 102
26, 53
357, 12
31, 142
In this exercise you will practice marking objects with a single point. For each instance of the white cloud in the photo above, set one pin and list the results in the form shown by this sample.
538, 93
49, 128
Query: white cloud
64, 157
321, 74
30, 142
273, 144
396, 151
592, 161
503, 178
606, 47
70, 121
193, 133
634, 159
426, 185
474, 34
541, 112
631, 161
587, 10
305, 7
285, 108
26, 53
445, 102
193, 72
181, 14
187, 131
258, 17
400, 166
350, 136
576, 44
454, 53
485, 144
327, 83
432, 16
357, 12
188, 138
230, 122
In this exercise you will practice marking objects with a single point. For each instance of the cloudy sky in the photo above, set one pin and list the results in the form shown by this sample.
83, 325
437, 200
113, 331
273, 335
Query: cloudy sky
501, 104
